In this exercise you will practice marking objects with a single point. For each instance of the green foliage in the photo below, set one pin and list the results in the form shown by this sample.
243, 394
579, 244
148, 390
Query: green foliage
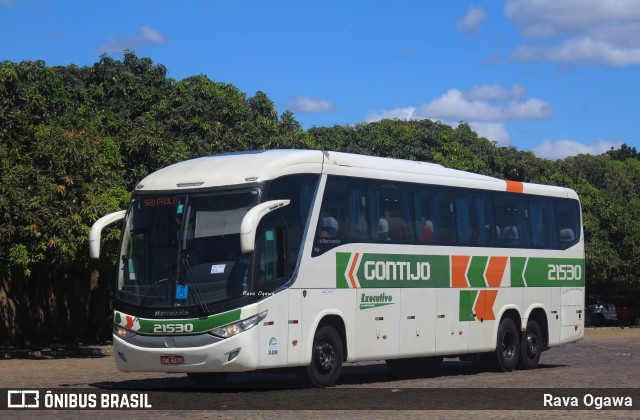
623, 153
75, 141
18, 258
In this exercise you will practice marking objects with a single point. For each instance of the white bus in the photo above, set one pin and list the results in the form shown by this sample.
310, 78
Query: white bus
309, 259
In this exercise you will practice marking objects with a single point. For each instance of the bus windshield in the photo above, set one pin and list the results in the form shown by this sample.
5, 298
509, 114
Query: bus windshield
184, 249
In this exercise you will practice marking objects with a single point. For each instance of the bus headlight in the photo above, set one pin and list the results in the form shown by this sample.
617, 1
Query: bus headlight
121, 332
238, 327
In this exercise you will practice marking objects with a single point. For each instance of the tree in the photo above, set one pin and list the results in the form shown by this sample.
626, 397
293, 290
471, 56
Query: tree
623, 153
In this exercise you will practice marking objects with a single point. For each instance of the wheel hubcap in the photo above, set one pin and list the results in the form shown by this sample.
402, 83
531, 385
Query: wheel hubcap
508, 346
533, 345
325, 356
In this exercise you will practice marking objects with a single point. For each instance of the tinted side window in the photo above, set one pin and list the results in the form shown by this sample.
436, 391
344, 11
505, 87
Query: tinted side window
474, 218
512, 220
544, 231
568, 223
435, 217
300, 190
343, 215
425, 210
445, 229
390, 208
365, 210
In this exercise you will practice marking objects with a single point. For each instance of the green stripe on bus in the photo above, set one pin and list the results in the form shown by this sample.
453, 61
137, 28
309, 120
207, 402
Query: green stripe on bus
558, 272
517, 271
368, 270
467, 299
476, 271
393, 270
150, 326
342, 260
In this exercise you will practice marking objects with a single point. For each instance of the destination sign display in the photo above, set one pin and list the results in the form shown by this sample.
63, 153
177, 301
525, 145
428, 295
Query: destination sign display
160, 201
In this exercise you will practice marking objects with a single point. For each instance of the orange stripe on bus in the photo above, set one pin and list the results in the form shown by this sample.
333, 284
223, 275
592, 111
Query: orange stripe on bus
484, 305
515, 186
459, 265
129, 323
352, 269
495, 270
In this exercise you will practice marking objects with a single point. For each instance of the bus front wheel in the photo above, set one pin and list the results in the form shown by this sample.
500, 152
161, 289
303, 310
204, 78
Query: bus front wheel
326, 358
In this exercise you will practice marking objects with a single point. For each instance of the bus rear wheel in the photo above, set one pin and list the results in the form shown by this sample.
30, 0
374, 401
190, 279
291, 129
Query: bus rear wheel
505, 357
531, 346
326, 358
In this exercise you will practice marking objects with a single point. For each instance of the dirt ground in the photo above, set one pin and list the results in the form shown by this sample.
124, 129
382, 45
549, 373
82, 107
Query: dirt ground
608, 358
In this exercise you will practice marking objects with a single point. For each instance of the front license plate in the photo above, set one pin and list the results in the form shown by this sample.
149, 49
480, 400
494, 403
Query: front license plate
172, 359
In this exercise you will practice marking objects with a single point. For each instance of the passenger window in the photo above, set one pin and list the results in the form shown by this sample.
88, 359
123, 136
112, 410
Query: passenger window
356, 226
391, 209
512, 226
445, 231
543, 223
568, 223
360, 210
473, 216
424, 203
343, 215
299, 190
435, 216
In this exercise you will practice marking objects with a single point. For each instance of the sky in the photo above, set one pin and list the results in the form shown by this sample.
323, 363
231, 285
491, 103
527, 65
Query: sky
556, 77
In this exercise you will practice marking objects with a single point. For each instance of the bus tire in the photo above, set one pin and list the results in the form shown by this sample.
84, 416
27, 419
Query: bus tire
531, 346
206, 378
505, 357
326, 358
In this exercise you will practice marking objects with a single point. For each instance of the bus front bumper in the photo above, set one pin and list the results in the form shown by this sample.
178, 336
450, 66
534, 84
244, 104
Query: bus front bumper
234, 354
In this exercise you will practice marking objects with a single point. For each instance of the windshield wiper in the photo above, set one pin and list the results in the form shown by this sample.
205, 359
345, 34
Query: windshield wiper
147, 295
196, 286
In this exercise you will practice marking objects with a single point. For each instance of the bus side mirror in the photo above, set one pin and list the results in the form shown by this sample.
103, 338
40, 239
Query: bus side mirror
96, 231
250, 222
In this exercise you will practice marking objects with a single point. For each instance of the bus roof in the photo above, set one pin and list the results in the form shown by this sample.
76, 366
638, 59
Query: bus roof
250, 167
233, 169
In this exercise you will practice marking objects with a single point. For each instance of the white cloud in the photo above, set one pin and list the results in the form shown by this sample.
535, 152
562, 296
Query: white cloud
581, 49
471, 21
151, 35
306, 104
407, 113
485, 104
560, 149
603, 32
120, 42
486, 108
493, 131
546, 18
495, 92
